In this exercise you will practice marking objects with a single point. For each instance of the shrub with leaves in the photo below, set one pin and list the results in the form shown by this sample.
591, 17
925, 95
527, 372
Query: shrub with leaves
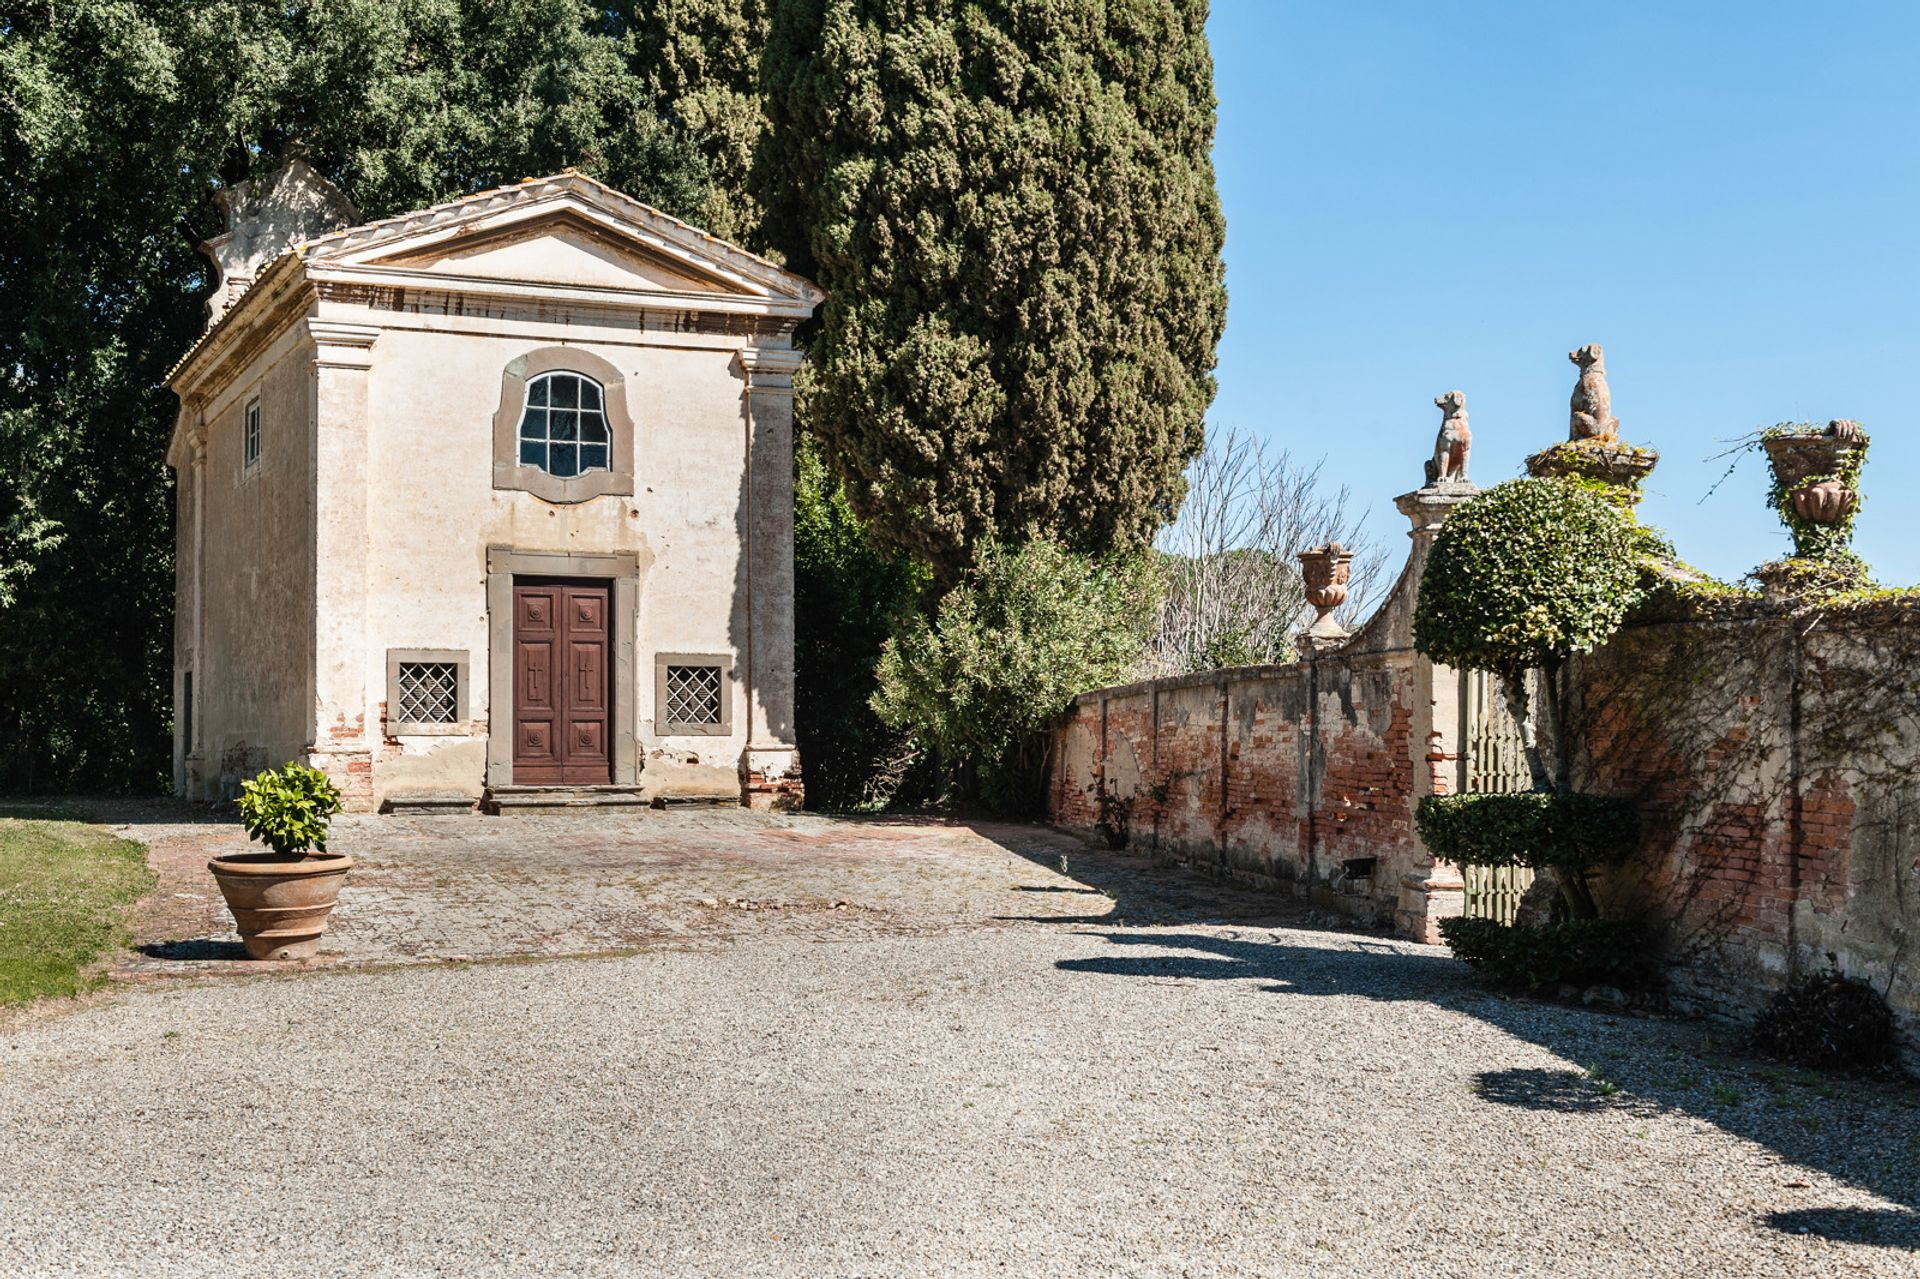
288, 808
1574, 952
1521, 578
1564, 829
984, 680
1828, 1021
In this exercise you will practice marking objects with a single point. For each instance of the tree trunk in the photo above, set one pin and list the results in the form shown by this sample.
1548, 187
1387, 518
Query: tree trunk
1555, 712
1513, 686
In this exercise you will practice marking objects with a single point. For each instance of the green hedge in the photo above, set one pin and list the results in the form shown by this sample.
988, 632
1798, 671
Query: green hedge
1529, 829
1577, 952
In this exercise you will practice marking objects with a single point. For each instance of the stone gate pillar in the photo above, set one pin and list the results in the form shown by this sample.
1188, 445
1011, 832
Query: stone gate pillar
1434, 891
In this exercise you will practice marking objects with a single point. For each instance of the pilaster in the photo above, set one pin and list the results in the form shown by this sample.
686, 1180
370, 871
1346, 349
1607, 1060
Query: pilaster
339, 741
770, 765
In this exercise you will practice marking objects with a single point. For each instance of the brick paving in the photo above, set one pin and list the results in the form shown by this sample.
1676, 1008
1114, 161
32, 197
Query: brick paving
469, 887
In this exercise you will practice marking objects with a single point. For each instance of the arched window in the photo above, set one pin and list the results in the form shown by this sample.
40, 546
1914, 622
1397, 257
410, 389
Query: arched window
563, 429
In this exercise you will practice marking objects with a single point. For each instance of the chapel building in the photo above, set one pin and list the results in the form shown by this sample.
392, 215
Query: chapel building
487, 505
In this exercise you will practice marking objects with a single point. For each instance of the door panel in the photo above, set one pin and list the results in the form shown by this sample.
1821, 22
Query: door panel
562, 699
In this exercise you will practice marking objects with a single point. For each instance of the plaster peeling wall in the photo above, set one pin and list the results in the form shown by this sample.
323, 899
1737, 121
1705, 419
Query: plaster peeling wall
1777, 768
1275, 775
258, 608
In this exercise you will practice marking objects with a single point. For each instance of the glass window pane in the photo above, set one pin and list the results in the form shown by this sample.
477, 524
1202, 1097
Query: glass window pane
563, 425
533, 452
537, 393
593, 428
564, 460
566, 390
593, 457
533, 424
589, 394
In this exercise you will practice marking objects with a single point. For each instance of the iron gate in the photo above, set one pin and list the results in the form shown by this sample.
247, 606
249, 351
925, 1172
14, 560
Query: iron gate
1496, 763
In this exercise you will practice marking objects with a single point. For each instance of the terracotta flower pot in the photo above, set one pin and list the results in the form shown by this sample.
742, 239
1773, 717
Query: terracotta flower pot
1827, 502
280, 904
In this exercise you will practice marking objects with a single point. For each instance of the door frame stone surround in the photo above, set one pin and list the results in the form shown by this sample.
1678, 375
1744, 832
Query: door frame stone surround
622, 569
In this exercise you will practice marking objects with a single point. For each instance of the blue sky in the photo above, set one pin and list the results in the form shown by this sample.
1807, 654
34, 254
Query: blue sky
1427, 196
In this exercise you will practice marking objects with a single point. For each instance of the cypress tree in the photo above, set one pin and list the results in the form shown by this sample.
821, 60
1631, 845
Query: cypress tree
1012, 205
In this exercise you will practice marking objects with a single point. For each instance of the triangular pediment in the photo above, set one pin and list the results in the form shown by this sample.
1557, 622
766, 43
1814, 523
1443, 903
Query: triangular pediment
566, 231
561, 248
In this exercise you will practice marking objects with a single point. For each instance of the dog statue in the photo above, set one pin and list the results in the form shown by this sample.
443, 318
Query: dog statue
1593, 417
1449, 462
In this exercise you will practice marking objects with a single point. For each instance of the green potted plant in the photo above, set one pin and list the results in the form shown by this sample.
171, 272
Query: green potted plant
281, 898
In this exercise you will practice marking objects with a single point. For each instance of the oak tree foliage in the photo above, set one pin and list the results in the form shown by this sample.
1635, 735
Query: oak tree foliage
118, 121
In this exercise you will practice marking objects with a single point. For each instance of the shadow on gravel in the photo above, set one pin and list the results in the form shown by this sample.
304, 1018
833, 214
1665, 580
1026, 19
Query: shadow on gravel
1889, 1227
197, 949
1863, 1132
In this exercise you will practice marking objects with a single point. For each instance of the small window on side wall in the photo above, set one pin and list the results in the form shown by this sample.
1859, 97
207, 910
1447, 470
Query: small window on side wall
692, 695
250, 443
426, 691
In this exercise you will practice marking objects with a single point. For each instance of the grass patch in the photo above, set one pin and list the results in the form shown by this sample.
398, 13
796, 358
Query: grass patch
64, 889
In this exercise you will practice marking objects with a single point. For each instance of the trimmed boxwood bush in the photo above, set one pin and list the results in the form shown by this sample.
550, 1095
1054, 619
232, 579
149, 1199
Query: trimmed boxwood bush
1576, 952
1565, 830
1521, 578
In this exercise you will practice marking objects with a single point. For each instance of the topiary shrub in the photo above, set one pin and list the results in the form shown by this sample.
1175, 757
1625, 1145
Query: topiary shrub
1827, 1021
288, 808
1522, 577
1576, 952
1562, 829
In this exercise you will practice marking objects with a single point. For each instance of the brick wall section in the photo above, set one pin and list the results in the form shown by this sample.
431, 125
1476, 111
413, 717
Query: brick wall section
1273, 775
1775, 766
1777, 772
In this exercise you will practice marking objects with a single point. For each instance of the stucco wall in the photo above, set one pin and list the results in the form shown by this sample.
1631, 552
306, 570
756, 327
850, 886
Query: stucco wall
433, 512
248, 659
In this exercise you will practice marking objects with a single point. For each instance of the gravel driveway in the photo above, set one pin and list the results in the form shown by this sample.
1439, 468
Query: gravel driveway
1041, 1098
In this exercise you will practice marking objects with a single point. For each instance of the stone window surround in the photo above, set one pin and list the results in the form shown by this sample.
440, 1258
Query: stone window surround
508, 470
504, 563
661, 726
402, 728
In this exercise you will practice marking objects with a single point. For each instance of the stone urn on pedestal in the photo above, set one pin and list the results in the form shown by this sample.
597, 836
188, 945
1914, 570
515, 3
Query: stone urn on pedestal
281, 898
1324, 572
1816, 493
1815, 473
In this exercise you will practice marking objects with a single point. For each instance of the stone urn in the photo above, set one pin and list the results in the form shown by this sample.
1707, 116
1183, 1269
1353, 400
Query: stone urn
280, 904
1325, 570
1797, 457
1826, 502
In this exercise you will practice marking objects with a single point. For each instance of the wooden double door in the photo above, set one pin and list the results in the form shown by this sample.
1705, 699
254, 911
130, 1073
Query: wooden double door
562, 682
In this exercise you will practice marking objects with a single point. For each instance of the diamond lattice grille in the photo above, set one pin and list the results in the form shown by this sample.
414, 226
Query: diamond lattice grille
693, 695
429, 693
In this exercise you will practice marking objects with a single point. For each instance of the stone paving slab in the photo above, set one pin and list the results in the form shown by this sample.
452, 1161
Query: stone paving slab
470, 887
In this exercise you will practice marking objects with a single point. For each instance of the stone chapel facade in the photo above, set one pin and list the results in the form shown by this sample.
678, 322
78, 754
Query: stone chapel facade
488, 504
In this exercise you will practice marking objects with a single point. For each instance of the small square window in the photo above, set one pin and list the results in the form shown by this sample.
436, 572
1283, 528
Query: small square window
250, 449
693, 695
426, 691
